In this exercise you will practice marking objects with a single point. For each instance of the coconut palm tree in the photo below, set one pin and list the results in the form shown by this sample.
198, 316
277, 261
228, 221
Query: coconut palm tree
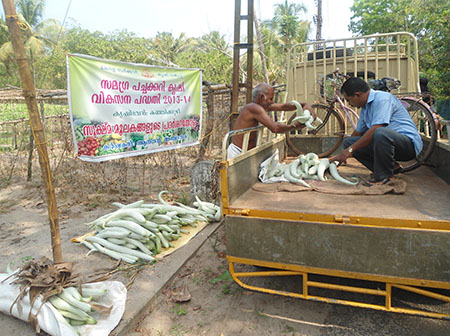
287, 23
38, 34
278, 34
165, 47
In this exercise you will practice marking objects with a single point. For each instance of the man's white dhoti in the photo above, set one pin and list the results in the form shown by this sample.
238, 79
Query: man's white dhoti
233, 151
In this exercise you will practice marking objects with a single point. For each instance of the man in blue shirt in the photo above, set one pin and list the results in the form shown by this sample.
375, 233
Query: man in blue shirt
385, 132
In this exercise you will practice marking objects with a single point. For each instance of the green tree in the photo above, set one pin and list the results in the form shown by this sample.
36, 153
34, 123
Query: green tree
119, 45
275, 54
432, 29
285, 29
4, 37
379, 16
212, 54
165, 48
287, 23
428, 20
37, 34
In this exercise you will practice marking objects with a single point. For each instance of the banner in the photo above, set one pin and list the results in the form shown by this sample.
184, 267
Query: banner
120, 109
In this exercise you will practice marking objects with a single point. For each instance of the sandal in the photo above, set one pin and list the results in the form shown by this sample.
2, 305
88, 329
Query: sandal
372, 181
398, 170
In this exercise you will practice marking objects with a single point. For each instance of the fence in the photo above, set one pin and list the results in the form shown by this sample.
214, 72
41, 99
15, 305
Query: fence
136, 175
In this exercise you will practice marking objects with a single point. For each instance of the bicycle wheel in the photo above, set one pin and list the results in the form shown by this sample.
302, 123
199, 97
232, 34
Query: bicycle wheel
324, 140
423, 118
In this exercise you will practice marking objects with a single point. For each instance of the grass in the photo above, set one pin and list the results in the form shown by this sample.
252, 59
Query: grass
177, 330
288, 330
13, 111
179, 310
17, 112
226, 280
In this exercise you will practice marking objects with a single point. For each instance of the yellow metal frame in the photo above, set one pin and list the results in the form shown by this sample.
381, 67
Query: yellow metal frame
279, 269
439, 225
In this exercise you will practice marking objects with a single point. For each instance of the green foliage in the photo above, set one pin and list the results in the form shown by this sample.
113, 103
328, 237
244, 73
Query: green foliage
37, 36
165, 48
433, 31
119, 45
379, 16
47, 45
285, 29
428, 20
226, 280
4, 35
212, 54
288, 25
179, 310
12, 111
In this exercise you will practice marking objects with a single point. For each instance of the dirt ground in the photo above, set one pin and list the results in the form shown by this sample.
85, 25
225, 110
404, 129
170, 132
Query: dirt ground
202, 299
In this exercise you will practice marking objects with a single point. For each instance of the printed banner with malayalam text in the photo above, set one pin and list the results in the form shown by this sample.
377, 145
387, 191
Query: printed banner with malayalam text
120, 109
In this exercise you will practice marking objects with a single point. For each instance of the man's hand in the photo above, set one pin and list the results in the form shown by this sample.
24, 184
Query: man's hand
297, 125
308, 107
341, 158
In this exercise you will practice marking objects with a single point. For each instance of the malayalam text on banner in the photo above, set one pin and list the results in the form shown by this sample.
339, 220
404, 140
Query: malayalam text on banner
120, 109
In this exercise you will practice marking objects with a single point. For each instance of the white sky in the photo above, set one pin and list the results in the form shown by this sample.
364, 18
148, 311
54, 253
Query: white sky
193, 17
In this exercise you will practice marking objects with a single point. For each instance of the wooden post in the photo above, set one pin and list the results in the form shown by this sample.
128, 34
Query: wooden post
236, 57
209, 125
35, 123
30, 157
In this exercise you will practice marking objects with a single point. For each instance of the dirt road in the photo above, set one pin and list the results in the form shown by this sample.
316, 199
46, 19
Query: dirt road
202, 299
216, 305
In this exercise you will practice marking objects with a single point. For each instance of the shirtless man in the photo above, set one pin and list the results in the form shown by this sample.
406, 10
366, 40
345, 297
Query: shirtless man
256, 112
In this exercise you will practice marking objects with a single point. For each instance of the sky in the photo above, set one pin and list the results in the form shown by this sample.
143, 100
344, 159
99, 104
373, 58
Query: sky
195, 18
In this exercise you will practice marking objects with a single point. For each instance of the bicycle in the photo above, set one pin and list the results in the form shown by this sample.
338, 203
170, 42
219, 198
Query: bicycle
328, 137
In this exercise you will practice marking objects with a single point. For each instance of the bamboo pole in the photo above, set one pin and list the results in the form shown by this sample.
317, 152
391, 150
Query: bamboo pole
35, 122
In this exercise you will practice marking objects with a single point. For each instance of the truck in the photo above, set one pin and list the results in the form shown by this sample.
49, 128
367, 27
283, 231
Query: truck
357, 250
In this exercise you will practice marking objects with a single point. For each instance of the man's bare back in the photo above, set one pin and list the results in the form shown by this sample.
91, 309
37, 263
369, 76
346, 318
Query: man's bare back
255, 113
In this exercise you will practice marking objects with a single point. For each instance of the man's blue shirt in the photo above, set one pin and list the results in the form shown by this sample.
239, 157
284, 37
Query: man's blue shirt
382, 108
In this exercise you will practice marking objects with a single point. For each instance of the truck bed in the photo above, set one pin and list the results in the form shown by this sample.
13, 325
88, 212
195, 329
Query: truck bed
394, 240
427, 197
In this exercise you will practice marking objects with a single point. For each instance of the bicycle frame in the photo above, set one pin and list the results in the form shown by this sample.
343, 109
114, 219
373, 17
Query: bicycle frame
349, 113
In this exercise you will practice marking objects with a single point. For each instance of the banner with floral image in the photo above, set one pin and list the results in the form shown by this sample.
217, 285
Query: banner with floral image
121, 109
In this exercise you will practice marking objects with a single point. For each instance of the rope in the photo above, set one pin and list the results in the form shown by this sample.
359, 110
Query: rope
216, 128
21, 24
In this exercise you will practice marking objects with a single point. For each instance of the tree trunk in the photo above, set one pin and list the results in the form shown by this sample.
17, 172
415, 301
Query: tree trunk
209, 126
261, 48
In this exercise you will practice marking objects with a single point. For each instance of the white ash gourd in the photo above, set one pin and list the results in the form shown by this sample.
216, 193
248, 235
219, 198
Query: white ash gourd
139, 231
308, 167
304, 116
